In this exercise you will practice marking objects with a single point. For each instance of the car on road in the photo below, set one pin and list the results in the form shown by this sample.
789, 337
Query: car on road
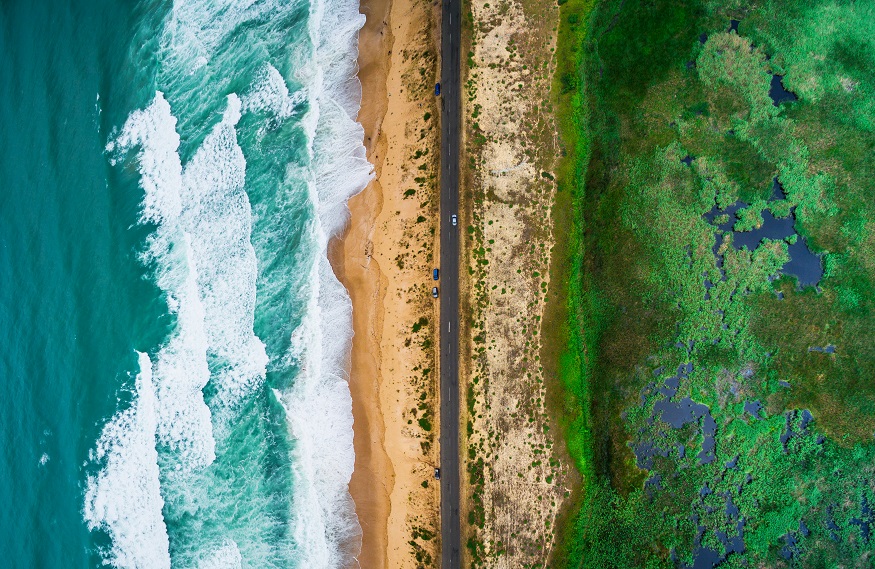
434, 292
437, 473
437, 89
434, 274
454, 220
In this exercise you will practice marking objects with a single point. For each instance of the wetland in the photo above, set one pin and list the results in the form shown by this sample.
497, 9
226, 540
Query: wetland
719, 374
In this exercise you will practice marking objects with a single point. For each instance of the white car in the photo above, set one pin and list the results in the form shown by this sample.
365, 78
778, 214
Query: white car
454, 220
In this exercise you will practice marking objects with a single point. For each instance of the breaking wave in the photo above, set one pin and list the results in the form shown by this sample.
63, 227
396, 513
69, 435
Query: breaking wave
236, 450
124, 498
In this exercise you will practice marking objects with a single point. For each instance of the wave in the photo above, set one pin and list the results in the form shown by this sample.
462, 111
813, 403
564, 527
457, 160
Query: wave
270, 93
319, 405
181, 370
218, 217
203, 259
204, 263
124, 498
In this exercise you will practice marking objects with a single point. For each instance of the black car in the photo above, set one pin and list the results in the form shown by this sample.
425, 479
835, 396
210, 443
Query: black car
437, 473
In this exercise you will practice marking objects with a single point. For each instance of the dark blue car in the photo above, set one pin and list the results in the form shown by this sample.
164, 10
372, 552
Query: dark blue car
437, 89
434, 274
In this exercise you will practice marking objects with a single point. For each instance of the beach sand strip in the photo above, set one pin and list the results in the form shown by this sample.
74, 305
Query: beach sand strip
384, 259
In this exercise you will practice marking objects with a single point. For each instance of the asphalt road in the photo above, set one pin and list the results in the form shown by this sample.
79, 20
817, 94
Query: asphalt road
451, 26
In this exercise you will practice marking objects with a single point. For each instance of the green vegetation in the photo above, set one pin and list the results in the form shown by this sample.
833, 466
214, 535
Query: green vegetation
420, 324
565, 353
639, 91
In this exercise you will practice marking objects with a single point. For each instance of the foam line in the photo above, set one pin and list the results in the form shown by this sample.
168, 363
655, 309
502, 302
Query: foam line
181, 370
218, 218
319, 405
124, 498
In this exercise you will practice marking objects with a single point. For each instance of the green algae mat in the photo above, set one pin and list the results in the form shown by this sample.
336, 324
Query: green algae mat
720, 373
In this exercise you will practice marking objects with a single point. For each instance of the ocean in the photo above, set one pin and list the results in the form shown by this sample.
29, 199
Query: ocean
174, 342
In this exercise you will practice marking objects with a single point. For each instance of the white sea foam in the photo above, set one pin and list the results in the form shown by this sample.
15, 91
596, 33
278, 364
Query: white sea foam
340, 166
124, 498
204, 224
206, 262
218, 218
270, 93
319, 413
319, 405
206, 265
181, 370
202, 219
196, 28
225, 557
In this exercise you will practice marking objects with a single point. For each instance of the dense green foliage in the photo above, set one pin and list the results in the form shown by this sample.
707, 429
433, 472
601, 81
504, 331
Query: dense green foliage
564, 335
643, 85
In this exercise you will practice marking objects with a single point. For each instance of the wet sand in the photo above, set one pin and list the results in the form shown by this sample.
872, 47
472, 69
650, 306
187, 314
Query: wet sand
373, 477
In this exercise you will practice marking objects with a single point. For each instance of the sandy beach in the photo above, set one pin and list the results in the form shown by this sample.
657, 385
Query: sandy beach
384, 261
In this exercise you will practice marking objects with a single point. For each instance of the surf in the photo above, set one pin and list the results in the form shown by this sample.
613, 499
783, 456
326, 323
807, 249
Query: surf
243, 423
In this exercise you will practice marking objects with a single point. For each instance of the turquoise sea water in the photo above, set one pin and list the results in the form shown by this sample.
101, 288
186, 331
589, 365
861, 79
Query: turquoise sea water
174, 343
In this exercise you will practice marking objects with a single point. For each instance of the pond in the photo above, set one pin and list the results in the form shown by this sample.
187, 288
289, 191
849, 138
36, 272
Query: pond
805, 265
778, 93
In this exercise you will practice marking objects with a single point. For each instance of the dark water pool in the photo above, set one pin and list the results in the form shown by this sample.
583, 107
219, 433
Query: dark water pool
778, 93
803, 263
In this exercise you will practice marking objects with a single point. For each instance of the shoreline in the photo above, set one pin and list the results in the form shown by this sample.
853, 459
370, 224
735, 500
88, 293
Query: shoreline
350, 256
381, 259
565, 353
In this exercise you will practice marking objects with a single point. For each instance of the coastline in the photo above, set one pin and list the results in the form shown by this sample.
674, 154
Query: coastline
380, 258
350, 256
